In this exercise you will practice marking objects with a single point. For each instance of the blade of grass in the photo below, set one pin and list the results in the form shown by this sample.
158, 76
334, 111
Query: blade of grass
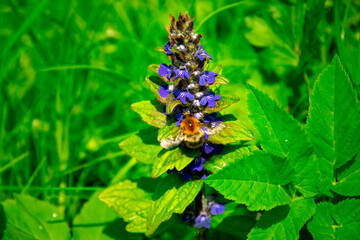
87, 67
222, 9
14, 161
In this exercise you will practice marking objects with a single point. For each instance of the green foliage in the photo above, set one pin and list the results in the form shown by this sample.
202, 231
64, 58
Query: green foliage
130, 202
283, 222
334, 129
142, 145
224, 102
340, 221
174, 200
150, 113
231, 132
348, 179
29, 218
257, 180
283, 136
69, 73
173, 158
229, 155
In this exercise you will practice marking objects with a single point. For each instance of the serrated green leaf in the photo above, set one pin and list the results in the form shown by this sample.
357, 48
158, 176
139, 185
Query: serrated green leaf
321, 224
174, 200
143, 145
282, 135
30, 218
130, 202
150, 112
232, 132
154, 68
349, 179
228, 155
256, 181
224, 102
333, 122
341, 221
154, 83
173, 158
283, 222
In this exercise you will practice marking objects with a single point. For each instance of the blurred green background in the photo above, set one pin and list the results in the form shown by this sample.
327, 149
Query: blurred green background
71, 69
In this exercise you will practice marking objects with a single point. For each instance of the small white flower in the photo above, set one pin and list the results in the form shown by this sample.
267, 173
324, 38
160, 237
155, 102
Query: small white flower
196, 103
199, 94
191, 86
171, 88
181, 48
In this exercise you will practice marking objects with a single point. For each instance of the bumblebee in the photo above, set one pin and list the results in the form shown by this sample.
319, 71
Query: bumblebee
192, 133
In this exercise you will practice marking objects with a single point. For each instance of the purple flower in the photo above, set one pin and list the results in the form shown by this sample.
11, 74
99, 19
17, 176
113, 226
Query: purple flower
210, 147
183, 95
179, 118
182, 73
208, 77
216, 208
168, 48
165, 70
164, 91
201, 53
202, 221
210, 99
197, 164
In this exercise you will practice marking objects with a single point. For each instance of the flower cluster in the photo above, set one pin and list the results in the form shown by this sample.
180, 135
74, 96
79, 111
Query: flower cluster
189, 102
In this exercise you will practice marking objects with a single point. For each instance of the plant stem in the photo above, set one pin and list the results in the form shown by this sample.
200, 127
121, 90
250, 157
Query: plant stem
201, 206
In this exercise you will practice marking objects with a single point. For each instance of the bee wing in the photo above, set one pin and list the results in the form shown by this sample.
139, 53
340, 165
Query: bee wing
172, 142
214, 130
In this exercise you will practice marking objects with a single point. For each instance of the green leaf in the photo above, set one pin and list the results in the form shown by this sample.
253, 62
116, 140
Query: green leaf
256, 181
349, 180
174, 200
30, 218
97, 221
171, 103
150, 113
341, 221
236, 220
154, 68
143, 145
283, 222
130, 202
169, 133
333, 122
160, 49
224, 102
282, 135
173, 158
220, 79
228, 155
230, 132
154, 83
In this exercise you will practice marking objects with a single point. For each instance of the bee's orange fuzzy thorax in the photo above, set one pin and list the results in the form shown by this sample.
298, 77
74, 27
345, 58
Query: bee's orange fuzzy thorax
190, 125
